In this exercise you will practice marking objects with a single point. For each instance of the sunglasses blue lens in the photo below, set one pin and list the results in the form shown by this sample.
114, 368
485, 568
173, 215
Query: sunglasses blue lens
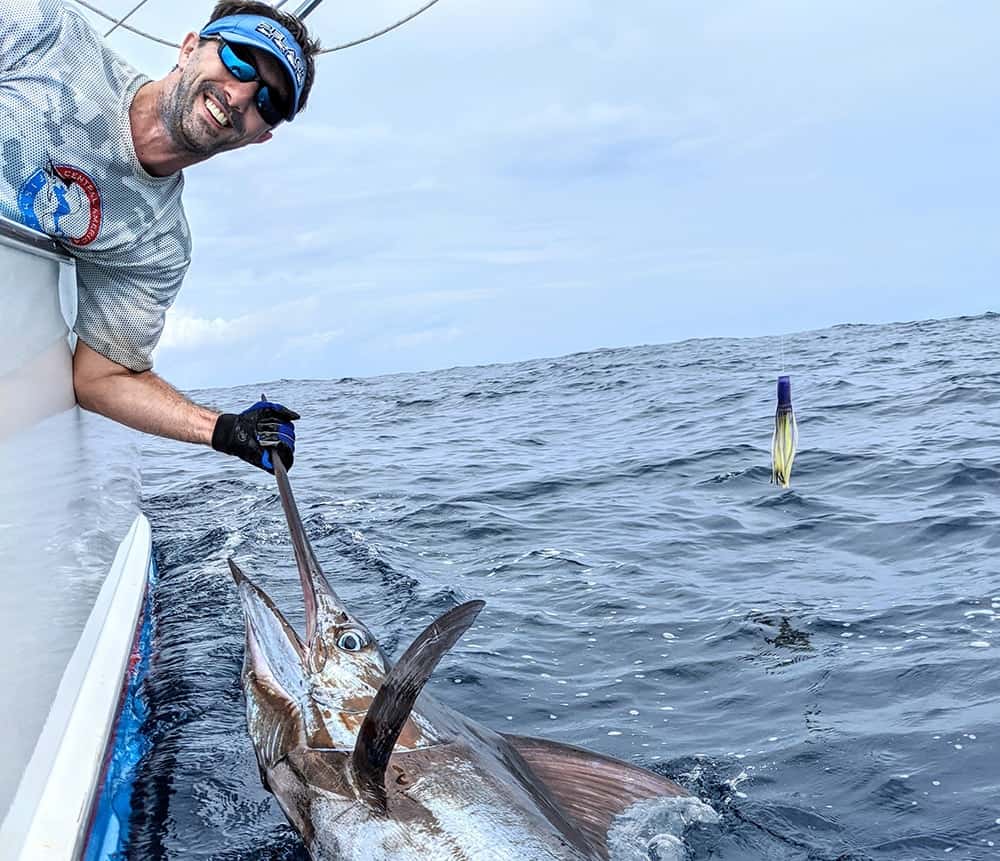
245, 71
269, 112
240, 69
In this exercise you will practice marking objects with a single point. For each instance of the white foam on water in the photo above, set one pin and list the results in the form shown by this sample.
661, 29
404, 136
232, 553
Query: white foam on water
653, 830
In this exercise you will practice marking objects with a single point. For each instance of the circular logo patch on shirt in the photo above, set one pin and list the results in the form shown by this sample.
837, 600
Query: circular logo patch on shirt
66, 205
77, 179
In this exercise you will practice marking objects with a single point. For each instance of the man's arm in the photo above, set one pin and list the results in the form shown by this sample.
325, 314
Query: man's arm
148, 403
141, 400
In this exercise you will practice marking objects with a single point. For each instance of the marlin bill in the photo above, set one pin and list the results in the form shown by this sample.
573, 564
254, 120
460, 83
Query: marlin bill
368, 767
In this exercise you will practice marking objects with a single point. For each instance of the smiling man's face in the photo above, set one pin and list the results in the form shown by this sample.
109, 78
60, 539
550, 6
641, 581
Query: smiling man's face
209, 110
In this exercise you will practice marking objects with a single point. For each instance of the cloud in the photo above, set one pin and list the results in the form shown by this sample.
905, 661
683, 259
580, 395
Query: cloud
185, 331
311, 342
574, 285
411, 340
559, 119
504, 256
431, 299
612, 169
337, 135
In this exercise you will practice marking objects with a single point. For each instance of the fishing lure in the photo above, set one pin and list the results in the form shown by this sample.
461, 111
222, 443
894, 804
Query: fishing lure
785, 440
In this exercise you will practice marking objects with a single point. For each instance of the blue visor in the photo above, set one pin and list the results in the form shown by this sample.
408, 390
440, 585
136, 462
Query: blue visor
267, 35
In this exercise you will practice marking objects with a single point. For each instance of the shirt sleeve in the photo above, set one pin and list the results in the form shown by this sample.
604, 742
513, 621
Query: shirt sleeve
121, 309
28, 29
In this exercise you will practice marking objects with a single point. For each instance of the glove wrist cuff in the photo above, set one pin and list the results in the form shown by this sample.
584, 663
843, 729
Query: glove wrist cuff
222, 436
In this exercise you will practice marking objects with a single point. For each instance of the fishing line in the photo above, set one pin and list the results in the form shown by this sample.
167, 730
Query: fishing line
131, 12
388, 29
120, 22
124, 26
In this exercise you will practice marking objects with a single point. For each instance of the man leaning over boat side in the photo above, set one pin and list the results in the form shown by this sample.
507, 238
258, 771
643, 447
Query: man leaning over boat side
92, 155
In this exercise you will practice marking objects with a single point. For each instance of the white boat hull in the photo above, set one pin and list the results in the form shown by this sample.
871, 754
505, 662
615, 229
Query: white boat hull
75, 619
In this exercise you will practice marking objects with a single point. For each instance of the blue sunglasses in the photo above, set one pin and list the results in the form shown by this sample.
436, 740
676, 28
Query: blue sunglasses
240, 63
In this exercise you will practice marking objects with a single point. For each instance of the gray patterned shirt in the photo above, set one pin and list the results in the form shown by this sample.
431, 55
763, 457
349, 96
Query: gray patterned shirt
68, 168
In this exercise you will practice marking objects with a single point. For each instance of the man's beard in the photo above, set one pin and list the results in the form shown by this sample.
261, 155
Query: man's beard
181, 115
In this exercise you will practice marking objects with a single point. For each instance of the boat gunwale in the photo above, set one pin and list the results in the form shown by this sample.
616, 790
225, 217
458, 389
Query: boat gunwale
51, 813
24, 238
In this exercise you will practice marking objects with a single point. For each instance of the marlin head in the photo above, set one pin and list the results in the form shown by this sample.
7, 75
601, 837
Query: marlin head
319, 688
326, 714
343, 660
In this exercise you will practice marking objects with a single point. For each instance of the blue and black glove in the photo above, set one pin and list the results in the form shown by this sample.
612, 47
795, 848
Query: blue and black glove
253, 433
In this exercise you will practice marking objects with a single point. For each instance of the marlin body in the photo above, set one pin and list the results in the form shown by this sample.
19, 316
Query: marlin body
367, 767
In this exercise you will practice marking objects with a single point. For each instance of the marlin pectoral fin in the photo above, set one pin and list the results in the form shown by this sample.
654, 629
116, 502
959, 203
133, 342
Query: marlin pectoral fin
591, 788
395, 699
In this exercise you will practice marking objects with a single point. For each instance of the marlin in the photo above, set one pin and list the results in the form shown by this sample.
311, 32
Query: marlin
368, 767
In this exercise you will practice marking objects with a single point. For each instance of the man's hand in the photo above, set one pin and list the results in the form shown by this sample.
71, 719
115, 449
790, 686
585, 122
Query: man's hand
254, 432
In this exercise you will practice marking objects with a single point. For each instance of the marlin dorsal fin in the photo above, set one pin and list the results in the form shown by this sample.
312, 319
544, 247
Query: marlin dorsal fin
395, 699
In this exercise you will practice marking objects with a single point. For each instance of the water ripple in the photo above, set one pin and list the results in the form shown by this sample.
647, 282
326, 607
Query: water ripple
818, 664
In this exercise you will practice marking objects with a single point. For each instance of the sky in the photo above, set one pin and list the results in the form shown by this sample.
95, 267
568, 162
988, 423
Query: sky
498, 181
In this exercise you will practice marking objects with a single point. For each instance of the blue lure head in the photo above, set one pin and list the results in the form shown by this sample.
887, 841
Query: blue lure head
785, 392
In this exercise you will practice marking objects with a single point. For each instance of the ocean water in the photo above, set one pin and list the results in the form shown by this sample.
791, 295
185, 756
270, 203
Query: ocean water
818, 664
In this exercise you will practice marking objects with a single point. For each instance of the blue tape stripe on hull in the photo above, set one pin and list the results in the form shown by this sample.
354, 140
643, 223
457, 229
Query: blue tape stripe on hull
108, 838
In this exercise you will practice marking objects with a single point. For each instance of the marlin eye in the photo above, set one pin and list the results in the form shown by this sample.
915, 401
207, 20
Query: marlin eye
351, 641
